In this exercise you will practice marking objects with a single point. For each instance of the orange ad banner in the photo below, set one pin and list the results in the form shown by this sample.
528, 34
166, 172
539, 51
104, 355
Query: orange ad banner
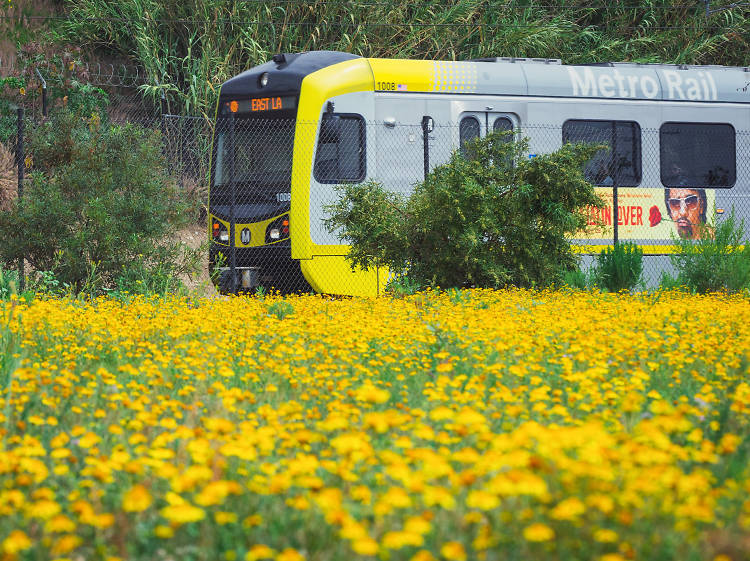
649, 214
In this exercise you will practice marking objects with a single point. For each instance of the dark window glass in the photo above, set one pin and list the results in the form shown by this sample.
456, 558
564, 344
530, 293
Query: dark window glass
262, 162
623, 159
503, 124
697, 155
340, 157
468, 130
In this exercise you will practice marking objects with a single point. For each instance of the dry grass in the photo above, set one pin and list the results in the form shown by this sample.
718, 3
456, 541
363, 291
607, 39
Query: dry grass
8, 177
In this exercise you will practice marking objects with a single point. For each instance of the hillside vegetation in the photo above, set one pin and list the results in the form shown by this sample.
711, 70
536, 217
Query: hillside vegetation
189, 48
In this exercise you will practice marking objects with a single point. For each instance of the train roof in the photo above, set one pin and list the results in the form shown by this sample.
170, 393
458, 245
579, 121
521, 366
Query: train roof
518, 76
288, 71
615, 80
551, 78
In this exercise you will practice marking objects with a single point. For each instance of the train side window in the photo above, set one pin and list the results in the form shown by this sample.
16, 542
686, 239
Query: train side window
700, 155
622, 160
340, 157
503, 124
468, 129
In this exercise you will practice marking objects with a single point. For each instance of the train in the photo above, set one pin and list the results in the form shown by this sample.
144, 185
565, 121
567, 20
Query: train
290, 130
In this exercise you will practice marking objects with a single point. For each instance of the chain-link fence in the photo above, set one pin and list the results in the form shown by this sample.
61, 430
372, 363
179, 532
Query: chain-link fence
658, 185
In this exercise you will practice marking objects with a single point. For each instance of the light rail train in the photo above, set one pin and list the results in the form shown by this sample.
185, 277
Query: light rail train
290, 130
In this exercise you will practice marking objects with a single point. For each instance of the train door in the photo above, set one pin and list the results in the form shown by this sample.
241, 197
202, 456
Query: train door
475, 124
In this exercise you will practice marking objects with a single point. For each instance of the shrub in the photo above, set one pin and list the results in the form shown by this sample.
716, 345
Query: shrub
488, 218
619, 268
402, 285
9, 89
576, 278
280, 309
98, 206
8, 283
718, 260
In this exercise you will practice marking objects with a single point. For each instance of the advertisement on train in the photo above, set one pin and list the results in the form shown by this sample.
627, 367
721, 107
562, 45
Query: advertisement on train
651, 214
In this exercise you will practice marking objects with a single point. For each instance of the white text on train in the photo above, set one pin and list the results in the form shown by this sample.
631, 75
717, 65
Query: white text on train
616, 84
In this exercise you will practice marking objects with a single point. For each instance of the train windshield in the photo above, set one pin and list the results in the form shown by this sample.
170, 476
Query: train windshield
262, 153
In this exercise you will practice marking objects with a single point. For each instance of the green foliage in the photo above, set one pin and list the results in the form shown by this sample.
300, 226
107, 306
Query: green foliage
619, 267
10, 88
190, 47
576, 278
402, 285
8, 283
489, 217
719, 260
99, 212
85, 99
280, 309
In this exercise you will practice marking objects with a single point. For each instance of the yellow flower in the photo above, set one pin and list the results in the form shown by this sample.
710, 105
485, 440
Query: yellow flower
183, 513
222, 518
453, 550
538, 532
482, 500
15, 542
44, 509
216, 491
423, 555
290, 554
568, 509
137, 499
164, 532
259, 551
371, 394
252, 520
604, 535
66, 544
417, 525
365, 546
104, 520
397, 540
89, 439
60, 524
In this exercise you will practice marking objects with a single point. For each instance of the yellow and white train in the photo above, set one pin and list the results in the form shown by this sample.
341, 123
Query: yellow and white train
290, 130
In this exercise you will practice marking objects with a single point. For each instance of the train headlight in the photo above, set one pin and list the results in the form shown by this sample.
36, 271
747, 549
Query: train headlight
278, 229
263, 80
219, 231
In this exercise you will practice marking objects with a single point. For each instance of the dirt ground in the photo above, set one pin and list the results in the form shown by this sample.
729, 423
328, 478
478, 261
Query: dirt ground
199, 284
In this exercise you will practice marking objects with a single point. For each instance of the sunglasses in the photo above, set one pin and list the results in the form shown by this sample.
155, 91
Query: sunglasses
688, 203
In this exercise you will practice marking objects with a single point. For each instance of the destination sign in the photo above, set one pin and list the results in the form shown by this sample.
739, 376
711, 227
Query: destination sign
259, 104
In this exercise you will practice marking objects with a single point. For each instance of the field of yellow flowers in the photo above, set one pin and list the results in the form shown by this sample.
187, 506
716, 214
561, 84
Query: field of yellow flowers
488, 425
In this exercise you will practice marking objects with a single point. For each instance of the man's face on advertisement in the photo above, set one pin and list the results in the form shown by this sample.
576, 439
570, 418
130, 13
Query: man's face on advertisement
685, 207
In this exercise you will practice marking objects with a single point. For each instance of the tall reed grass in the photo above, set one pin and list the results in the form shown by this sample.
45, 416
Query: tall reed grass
189, 48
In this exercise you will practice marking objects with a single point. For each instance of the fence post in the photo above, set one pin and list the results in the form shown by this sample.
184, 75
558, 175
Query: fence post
20, 161
427, 127
615, 181
163, 123
232, 196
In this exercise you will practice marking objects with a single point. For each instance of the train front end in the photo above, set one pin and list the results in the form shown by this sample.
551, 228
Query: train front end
251, 175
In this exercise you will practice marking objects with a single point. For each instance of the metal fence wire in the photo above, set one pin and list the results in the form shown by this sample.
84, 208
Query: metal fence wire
658, 185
